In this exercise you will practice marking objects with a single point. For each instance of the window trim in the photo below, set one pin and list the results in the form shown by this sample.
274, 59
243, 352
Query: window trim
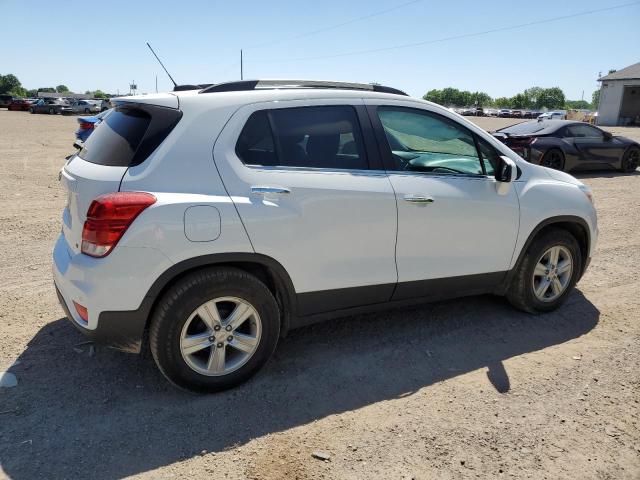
390, 164
371, 155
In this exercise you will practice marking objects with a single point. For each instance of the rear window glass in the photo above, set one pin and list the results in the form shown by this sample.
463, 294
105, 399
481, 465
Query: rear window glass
524, 128
115, 141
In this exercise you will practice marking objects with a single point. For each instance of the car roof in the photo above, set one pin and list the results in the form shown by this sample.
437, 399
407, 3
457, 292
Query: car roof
546, 126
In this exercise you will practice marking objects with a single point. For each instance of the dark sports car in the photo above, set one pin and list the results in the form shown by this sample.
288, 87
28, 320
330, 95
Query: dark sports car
568, 145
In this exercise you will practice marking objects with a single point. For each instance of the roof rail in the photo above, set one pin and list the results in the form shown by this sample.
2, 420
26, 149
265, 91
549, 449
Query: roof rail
245, 85
182, 88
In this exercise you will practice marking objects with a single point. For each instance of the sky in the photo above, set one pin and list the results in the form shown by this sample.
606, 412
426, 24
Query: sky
89, 46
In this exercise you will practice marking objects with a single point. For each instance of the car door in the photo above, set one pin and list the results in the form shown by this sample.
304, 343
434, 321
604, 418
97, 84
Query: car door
308, 184
456, 229
593, 146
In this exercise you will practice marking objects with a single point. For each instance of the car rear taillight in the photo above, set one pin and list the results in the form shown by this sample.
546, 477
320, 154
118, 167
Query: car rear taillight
108, 218
82, 311
86, 125
520, 141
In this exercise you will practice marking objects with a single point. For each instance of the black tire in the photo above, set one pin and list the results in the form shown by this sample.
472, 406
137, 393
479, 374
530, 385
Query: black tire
86, 110
521, 290
183, 298
32, 110
630, 160
52, 111
553, 158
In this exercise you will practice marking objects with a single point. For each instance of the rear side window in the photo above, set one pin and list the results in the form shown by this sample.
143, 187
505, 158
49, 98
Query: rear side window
314, 137
129, 134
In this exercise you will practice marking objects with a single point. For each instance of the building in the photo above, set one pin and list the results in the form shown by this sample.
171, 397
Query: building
620, 97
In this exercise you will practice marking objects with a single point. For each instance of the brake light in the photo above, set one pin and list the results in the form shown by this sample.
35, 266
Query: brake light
86, 125
521, 141
108, 218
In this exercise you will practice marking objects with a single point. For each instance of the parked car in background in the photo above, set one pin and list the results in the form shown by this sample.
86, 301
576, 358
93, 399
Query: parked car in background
5, 101
568, 145
552, 116
51, 106
200, 254
105, 104
517, 114
491, 112
504, 113
85, 106
20, 105
86, 125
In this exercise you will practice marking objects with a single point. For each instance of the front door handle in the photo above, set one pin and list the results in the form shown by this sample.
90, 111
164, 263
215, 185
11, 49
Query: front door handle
263, 190
412, 198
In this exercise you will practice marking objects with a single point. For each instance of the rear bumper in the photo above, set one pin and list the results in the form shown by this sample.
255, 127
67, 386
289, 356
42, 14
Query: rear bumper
114, 290
119, 330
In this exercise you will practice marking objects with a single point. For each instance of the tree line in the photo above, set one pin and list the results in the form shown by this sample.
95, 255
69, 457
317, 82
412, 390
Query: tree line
10, 85
534, 98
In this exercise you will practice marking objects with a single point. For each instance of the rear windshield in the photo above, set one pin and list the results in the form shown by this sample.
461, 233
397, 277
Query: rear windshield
524, 128
115, 141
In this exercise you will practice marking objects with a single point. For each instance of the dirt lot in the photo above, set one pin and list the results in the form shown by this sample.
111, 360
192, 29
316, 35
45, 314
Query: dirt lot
462, 389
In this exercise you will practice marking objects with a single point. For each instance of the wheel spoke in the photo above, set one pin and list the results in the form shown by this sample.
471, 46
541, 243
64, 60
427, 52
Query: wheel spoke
243, 342
216, 360
564, 267
540, 270
556, 286
542, 288
238, 316
195, 343
209, 314
553, 257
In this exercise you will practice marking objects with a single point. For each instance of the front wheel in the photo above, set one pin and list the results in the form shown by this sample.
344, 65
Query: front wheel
214, 329
630, 160
553, 158
547, 273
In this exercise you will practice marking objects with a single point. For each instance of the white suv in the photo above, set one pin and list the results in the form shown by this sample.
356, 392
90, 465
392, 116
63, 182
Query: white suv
212, 221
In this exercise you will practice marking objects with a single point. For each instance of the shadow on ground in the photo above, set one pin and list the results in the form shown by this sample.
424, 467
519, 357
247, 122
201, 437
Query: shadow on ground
112, 414
608, 173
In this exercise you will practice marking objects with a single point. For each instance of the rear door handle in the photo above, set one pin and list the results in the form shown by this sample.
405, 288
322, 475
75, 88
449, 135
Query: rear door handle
412, 198
263, 190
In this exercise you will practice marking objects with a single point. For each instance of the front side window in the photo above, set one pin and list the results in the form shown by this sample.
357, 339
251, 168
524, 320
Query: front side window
315, 137
584, 131
424, 142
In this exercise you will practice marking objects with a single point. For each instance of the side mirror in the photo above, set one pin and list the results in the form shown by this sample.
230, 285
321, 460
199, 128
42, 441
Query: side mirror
608, 136
506, 171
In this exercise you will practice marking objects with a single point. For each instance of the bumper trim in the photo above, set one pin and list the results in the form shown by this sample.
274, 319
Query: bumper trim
121, 330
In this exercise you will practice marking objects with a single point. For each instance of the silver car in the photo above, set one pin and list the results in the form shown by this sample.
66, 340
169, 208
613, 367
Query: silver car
86, 106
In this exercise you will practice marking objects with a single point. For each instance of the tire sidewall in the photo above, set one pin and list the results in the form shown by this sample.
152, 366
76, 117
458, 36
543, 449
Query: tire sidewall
194, 291
625, 160
541, 245
562, 157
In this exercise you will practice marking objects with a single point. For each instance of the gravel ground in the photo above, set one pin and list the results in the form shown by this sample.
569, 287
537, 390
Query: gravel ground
460, 389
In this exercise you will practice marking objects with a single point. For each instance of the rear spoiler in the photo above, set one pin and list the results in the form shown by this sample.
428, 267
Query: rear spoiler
168, 100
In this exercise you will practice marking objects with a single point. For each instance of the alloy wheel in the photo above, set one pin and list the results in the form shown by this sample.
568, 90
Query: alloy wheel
552, 273
220, 336
552, 159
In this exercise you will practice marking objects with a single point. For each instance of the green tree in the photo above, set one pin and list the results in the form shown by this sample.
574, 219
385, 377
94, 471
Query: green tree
577, 105
62, 89
32, 93
552, 98
9, 83
47, 89
502, 102
595, 99
99, 94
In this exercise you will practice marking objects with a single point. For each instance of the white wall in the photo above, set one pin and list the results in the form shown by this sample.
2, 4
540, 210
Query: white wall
610, 99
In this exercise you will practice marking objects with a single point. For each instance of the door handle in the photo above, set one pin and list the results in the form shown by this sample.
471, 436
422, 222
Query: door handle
418, 198
258, 190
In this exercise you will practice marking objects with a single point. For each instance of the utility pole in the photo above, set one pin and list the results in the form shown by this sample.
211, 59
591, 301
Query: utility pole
241, 66
582, 94
156, 83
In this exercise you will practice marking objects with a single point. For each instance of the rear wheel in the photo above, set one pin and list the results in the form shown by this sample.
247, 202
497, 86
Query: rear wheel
214, 329
630, 160
32, 110
547, 273
553, 158
52, 111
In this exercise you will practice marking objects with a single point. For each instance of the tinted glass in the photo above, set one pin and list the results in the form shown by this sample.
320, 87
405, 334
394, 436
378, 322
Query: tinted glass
316, 137
255, 145
116, 141
425, 142
584, 131
524, 128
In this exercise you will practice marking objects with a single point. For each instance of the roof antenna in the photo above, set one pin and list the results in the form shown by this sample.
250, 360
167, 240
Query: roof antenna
162, 65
